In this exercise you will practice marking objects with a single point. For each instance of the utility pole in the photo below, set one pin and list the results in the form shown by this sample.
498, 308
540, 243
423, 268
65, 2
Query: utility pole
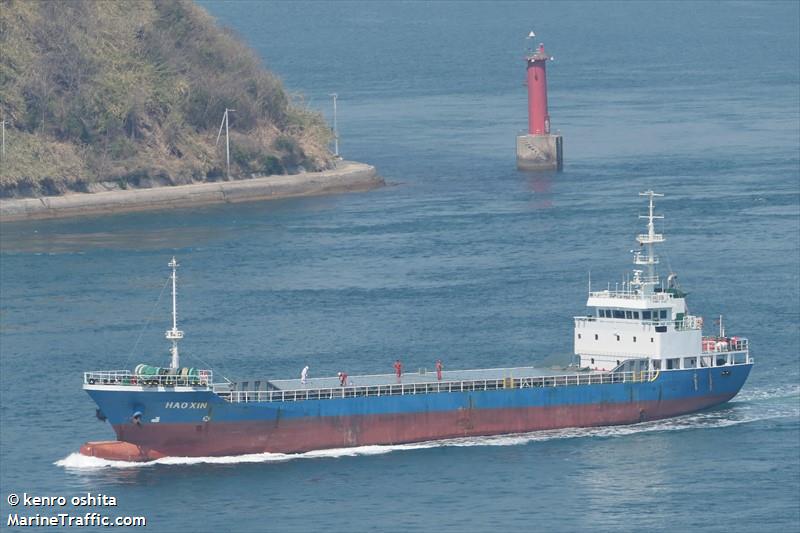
227, 139
335, 127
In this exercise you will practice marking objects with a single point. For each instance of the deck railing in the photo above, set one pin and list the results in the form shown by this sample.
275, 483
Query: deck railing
725, 344
657, 297
687, 322
594, 378
203, 379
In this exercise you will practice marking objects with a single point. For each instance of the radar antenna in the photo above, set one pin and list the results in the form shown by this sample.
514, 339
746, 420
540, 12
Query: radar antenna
649, 259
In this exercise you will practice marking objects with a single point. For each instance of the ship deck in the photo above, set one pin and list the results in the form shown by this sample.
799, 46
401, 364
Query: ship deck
423, 376
329, 388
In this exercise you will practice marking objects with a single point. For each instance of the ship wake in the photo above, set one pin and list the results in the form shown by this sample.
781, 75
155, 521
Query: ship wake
749, 406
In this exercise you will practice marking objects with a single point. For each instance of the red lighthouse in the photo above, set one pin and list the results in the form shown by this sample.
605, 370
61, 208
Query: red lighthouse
538, 119
538, 149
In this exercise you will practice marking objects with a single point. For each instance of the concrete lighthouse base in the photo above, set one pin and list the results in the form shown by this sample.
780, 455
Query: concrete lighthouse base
540, 152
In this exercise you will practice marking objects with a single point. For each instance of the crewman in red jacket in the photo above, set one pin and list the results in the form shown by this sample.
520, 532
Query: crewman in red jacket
398, 368
439, 369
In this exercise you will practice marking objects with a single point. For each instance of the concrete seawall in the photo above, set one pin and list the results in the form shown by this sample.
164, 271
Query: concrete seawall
348, 176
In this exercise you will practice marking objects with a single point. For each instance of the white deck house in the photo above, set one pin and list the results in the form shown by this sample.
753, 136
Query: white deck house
648, 323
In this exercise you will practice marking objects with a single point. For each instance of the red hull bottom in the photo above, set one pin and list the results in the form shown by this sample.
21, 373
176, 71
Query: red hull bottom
117, 450
153, 441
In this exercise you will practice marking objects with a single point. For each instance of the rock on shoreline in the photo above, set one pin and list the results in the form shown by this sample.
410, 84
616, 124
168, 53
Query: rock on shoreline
348, 176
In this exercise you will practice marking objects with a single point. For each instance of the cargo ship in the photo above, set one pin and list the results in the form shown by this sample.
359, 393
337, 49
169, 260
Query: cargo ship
640, 355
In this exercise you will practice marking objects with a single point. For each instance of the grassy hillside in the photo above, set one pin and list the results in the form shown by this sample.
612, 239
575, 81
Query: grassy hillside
131, 94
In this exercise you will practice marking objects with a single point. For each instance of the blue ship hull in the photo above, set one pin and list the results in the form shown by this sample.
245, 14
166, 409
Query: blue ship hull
152, 422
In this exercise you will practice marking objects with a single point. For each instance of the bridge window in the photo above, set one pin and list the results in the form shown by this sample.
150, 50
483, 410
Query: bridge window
595, 336
663, 313
652, 340
673, 364
579, 335
646, 315
617, 337
619, 314
634, 339
636, 315
628, 314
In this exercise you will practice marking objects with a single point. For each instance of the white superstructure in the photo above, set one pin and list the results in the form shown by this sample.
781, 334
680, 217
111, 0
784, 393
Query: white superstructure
647, 322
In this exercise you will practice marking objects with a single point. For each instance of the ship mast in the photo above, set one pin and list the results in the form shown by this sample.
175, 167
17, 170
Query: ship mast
650, 260
174, 334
